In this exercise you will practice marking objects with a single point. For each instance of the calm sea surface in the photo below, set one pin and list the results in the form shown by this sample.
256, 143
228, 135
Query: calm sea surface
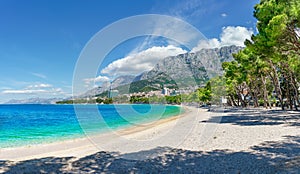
33, 124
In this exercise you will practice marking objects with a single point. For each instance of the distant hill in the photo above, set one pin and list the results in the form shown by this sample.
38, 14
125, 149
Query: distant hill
34, 101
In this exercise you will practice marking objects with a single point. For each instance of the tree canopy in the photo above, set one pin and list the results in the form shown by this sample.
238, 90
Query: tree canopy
267, 70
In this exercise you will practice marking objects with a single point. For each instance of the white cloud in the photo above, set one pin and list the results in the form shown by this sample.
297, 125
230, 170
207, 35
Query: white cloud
41, 85
142, 61
39, 75
97, 79
205, 44
235, 35
24, 91
224, 15
101, 79
230, 36
36, 89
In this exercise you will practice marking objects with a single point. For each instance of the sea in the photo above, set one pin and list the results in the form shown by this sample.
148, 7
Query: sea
30, 124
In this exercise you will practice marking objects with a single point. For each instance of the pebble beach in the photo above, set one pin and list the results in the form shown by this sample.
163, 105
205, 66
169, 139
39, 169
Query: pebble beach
198, 141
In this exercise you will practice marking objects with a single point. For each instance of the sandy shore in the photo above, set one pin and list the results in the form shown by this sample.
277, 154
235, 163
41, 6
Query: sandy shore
245, 141
80, 147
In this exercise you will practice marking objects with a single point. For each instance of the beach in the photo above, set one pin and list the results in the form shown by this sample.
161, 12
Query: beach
198, 141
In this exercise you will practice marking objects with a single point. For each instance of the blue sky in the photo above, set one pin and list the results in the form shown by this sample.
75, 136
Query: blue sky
40, 40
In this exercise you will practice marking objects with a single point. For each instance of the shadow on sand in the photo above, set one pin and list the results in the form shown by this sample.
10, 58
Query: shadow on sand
269, 157
256, 117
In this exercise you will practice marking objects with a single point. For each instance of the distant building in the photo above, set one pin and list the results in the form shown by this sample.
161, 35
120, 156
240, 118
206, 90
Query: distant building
223, 100
185, 91
154, 93
174, 92
165, 91
138, 94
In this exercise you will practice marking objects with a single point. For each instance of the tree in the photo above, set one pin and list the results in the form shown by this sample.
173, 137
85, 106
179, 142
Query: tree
108, 101
271, 60
205, 93
278, 44
99, 100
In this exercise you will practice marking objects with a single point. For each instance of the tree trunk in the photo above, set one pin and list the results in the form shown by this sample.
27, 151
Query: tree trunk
291, 84
295, 89
265, 93
232, 100
240, 97
255, 95
289, 97
255, 98
276, 83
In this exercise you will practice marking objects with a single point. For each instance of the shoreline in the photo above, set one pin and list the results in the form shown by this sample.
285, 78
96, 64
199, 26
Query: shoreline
83, 134
57, 147
250, 141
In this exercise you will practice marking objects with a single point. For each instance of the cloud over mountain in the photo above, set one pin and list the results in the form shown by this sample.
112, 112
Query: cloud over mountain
230, 36
142, 61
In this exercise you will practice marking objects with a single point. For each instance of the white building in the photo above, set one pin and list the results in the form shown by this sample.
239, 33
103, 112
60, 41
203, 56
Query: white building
165, 91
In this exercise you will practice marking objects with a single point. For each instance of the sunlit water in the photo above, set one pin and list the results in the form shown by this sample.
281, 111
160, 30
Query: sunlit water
33, 124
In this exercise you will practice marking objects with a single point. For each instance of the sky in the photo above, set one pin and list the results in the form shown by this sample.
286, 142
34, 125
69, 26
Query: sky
41, 40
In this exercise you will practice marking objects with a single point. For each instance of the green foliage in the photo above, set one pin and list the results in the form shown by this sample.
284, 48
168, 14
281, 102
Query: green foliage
213, 91
271, 59
157, 99
99, 100
142, 86
77, 101
108, 101
205, 93
121, 99
87, 101
156, 84
65, 102
139, 100
173, 99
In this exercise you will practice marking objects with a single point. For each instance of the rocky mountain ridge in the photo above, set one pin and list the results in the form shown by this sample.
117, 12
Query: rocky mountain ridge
181, 71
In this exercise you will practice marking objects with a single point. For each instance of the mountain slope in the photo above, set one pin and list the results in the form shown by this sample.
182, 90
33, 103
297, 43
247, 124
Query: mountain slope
181, 71
199, 65
119, 81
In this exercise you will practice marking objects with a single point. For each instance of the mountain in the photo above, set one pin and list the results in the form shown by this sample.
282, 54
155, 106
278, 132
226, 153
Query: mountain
189, 69
122, 80
119, 81
203, 64
225, 53
178, 72
34, 101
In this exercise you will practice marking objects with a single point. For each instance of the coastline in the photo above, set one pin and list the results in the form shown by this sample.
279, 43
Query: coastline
66, 146
81, 132
259, 141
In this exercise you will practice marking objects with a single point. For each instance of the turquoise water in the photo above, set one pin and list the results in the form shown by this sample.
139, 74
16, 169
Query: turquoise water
33, 124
